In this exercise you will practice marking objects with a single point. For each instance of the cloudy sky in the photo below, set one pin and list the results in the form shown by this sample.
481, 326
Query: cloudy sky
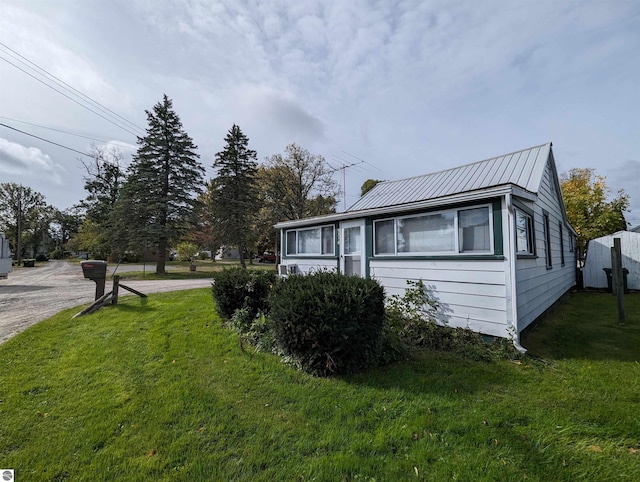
410, 87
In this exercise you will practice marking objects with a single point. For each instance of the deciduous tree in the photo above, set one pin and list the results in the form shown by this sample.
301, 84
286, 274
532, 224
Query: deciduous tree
299, 184
590, 213
103, 183
368, 185
295, 185
19, 213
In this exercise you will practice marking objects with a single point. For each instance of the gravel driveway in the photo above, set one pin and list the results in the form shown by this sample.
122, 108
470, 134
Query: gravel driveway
31, 295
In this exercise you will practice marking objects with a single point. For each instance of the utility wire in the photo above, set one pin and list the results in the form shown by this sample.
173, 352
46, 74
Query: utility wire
45, 140
70, 98
68, 86
66, 132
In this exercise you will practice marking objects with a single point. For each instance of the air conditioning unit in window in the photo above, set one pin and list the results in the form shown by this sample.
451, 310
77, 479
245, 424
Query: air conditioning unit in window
287, 269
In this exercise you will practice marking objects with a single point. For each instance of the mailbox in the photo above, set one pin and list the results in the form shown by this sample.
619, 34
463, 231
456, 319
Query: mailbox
96, 270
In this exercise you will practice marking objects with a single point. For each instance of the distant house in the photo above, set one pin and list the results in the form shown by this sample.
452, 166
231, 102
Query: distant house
5, 257
599, 257
227, 252
491, 238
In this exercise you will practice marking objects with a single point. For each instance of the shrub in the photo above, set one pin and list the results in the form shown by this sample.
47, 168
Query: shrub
419, 319
257, 331
186, 250
327, 323
238, 288
42, 257
57, 253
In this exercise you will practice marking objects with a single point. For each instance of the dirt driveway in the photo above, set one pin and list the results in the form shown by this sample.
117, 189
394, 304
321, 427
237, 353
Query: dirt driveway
31, 295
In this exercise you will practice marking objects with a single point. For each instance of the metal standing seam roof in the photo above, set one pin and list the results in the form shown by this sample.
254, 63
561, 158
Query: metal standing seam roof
522, 168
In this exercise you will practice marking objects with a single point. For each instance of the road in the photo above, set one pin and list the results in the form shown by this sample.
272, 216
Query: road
31, 295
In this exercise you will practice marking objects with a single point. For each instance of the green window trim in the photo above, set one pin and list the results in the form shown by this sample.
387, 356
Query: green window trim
290, 236
454, 257
495, 242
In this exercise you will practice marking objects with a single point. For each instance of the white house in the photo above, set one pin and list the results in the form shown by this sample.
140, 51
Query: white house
599, 257
491, 238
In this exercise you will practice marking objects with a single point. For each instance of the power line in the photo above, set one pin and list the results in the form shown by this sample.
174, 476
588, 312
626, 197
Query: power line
68, 97
66, 132
69, 87
45, 140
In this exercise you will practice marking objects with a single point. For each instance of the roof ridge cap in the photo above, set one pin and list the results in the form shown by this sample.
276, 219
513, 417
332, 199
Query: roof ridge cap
465, 165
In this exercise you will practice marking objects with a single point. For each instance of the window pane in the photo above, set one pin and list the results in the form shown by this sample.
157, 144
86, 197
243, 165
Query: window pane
473, 230
352, 240
426, 234
309, 241
291, 242
522, 232
327, 240
547, 241
384, 242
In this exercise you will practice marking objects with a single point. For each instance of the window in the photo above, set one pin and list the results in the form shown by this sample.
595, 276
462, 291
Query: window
310, 241
426, 234
524, 233
384, 237
291, 242
571, 243
561, 244
547, 240
473, 230
444, 232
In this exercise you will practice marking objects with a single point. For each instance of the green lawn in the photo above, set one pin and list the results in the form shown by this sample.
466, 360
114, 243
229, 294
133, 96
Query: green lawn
159, 390
180, 269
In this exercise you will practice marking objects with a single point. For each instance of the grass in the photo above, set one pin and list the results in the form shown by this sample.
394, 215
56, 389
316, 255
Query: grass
180, 270
161, 391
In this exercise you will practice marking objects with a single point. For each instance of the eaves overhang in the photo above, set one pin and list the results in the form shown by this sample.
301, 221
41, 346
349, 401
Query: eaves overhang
477, 195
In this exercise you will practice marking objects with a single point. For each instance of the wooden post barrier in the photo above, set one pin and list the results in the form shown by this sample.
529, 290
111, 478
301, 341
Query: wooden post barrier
116, 281
617, 278
111, 297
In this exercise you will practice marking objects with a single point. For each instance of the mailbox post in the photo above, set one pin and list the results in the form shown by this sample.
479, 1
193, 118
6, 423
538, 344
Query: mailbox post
96, 270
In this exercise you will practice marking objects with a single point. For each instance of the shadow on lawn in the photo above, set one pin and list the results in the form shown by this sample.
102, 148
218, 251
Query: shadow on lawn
585, 326
440, 374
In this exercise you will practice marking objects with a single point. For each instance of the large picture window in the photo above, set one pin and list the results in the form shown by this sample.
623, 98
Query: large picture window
444, 232
311, 241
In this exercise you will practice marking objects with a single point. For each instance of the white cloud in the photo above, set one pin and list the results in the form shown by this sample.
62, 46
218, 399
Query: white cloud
16, 159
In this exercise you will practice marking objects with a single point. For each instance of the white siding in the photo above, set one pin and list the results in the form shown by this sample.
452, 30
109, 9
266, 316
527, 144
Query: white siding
538, 287
307, 265
472, 292
599, 257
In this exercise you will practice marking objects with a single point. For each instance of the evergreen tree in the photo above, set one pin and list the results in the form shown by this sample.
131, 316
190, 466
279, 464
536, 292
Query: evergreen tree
233, 191
163, 181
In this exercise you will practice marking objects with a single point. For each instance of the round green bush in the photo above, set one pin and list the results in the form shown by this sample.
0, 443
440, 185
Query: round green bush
238, 288
326, 322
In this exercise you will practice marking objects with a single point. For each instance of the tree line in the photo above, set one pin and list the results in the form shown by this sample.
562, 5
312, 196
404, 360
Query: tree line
162, 198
